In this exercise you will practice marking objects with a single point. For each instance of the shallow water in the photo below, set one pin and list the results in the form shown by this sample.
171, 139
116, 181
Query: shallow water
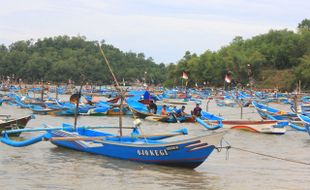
45, 166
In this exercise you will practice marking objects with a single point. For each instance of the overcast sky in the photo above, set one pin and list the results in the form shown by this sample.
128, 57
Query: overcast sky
162, 29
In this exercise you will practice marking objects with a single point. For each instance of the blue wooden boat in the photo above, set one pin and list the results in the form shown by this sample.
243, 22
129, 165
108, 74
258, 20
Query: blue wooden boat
306, 121
267, 112
151, 149
8, 123
140, 110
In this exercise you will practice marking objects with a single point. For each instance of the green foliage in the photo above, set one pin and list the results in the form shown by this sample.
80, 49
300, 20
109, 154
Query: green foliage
278, 51
302, 72
62, 58
278, 58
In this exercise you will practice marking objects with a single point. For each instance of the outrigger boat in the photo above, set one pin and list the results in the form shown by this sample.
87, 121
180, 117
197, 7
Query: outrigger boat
306, 121
188, 153
151, 149
263, 126
140, 110
10, 123
211, 121
267, 112
270, 113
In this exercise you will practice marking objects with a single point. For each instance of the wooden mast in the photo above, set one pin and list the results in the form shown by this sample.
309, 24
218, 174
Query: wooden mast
117, 86
76, 113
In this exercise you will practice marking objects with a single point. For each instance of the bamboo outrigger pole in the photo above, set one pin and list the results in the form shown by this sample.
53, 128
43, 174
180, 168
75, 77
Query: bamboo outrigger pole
117, 86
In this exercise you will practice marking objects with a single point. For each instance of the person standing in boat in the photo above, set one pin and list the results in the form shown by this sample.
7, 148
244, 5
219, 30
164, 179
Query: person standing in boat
152, 107
197, 111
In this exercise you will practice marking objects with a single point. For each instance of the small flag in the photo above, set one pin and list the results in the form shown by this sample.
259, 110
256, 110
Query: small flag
184, 76
228, 78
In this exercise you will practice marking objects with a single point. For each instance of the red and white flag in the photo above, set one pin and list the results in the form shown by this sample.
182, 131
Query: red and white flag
227, 78
184, 76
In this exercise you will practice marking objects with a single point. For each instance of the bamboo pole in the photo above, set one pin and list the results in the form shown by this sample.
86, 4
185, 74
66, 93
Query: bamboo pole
78, 104
118, 88
79, 138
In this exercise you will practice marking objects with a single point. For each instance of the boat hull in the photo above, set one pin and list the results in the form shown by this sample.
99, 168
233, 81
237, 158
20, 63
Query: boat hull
265, 126
187, 153
9, 124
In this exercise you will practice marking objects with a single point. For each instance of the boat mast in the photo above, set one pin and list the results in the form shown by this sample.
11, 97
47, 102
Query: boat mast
76, 113
42, 90
118, 88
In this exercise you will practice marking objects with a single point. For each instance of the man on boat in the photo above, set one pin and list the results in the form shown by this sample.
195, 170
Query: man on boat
197, 111
180, 112
152, 107
164, 110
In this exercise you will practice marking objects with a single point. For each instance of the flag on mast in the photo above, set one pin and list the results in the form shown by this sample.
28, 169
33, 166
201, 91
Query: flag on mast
184, 76
228, 78
124, 84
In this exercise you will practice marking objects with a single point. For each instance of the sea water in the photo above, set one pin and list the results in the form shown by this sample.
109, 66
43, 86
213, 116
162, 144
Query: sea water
45, 166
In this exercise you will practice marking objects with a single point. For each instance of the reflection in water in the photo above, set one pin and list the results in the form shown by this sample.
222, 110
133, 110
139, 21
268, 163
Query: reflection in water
171, 178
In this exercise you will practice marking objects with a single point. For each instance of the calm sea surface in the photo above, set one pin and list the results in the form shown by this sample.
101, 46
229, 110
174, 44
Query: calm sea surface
45, 166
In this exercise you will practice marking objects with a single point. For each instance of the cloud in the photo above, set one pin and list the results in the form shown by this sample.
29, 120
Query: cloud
161, 29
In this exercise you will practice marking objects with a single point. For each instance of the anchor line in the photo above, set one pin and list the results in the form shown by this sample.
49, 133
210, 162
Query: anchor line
228, 146
271, 156
219, 148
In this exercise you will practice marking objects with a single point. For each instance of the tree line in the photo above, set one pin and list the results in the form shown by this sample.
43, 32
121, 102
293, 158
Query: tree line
62, 58
279, 58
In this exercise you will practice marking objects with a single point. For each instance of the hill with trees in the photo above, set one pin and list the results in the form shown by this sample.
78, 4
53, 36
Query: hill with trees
278, 58
61, 58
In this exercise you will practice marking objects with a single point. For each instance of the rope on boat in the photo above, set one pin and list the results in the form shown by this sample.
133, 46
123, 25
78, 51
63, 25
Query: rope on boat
219, 148
257, 153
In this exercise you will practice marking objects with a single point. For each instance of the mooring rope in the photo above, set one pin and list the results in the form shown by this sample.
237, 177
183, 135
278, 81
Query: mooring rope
271, 156
257, 153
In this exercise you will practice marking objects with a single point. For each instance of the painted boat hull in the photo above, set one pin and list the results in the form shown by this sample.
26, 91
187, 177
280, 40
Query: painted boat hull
265, 126
265, 112
188, 153
176, 102
162, 118
9, 124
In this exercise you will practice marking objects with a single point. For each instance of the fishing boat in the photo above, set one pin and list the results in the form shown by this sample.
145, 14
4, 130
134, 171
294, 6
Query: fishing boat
262, 126
267, 112
212, 122
306, 121
114, 110
151, 148
8, 123
140, 110
175, 101
270, 113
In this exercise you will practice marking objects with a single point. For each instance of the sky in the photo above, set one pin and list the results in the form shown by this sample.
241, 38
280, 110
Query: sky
161, 29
